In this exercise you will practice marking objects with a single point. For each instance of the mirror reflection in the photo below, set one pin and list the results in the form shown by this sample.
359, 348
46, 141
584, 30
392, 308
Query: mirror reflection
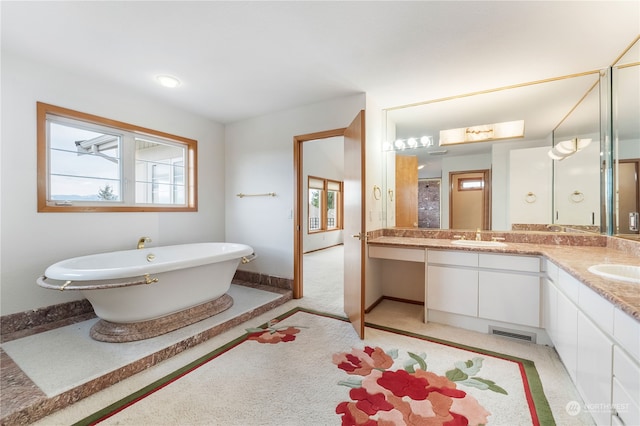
626, 139
496, 183
576, 165
570, 170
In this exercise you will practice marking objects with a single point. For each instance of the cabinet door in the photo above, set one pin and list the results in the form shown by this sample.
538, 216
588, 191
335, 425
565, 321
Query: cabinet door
567, 334
626, 388
550, 310
594, 368
512, 298
452, 290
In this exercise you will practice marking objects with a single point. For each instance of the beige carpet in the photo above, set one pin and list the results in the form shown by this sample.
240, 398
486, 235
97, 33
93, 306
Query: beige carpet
310, 368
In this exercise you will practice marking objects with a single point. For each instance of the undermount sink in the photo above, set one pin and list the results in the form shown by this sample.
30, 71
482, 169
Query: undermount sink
474, 243
628, 273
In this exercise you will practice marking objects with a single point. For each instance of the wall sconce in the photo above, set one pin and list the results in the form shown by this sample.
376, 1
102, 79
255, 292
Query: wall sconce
411, 143
565, 149
483, 133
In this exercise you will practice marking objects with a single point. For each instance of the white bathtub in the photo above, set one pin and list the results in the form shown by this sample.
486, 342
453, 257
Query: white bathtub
140, 285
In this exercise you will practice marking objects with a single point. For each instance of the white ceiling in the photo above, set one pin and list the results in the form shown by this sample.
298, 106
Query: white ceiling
241, 59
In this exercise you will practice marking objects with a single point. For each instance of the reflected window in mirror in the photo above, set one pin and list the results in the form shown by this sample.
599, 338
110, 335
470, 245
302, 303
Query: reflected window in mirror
88, 163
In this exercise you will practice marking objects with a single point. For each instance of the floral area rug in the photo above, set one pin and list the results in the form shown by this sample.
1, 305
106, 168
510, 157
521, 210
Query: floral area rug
310, 368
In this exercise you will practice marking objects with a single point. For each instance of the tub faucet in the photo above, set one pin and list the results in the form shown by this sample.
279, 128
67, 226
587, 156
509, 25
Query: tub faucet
143, 240
478, 235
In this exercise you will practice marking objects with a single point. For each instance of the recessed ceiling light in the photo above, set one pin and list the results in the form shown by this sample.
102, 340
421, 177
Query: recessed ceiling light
168, 81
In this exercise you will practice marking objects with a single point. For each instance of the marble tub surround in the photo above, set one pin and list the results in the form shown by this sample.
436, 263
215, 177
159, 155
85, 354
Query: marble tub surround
24, 323
574, 258
106, 331
31, 389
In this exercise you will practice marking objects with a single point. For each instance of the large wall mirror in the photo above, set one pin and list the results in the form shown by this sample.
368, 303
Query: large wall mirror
625, 107
552, 177
519, 168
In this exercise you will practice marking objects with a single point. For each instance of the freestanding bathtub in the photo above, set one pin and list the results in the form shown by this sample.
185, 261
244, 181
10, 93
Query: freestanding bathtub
143, 293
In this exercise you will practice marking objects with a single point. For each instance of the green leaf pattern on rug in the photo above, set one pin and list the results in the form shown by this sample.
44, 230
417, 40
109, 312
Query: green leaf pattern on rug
273, 334
411, 394
463, 372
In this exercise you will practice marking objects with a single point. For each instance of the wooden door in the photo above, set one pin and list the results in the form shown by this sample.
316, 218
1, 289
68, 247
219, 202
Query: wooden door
354, 223
469, 200
407, 191
628, 193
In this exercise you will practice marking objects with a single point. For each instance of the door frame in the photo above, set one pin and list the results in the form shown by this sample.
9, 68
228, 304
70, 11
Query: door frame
298, 198
486, 195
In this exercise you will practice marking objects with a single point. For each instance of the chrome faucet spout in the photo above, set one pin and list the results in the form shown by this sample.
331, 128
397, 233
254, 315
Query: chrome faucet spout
143, 240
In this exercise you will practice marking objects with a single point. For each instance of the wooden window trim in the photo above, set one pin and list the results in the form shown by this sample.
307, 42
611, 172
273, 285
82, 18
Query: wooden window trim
44, 109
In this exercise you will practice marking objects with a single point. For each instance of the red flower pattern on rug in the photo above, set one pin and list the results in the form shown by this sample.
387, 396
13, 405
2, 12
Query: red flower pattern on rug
272, 334
411, 396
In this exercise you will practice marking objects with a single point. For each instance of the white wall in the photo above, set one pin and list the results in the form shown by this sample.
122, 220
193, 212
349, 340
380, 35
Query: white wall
500, 218
259, 159
323, 158
31, 241
374, 124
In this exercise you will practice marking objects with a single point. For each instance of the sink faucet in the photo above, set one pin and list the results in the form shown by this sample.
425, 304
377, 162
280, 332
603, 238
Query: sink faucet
478, 236
143, 240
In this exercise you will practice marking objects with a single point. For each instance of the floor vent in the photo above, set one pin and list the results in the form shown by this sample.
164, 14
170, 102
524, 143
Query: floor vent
512, 334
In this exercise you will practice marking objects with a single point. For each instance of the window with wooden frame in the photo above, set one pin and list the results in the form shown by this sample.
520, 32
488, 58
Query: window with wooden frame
325, 205
88, 163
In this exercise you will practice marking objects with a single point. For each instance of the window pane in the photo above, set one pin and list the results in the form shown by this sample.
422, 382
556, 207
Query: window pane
88, 163
332, 209
69, 188
84, 165
315, 205
159, 173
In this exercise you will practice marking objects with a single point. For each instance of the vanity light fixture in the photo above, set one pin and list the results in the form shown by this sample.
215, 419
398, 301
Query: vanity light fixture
483, 133
410, 143
567, 148
168, 81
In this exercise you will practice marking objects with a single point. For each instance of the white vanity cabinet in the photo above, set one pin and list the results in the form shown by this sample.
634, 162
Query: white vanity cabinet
566, 339
499, 287
593, 369
626, 389
509, 288
452, 282
599, 346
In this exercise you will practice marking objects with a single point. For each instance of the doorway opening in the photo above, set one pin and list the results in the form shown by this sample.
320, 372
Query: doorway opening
470, 199
300, 201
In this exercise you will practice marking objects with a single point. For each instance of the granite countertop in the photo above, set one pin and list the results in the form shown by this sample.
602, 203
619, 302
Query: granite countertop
573, 259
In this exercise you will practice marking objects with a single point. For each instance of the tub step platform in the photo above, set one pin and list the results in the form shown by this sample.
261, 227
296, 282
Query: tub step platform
106, 331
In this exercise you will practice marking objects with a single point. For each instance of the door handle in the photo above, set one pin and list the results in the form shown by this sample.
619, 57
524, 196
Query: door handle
360, 236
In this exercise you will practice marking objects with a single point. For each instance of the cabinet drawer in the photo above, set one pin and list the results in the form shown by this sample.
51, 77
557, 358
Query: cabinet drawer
569, 286
397, 253
510, 262
625, 408
597, 308
552, 270
627, 372
457, 258
626, 330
